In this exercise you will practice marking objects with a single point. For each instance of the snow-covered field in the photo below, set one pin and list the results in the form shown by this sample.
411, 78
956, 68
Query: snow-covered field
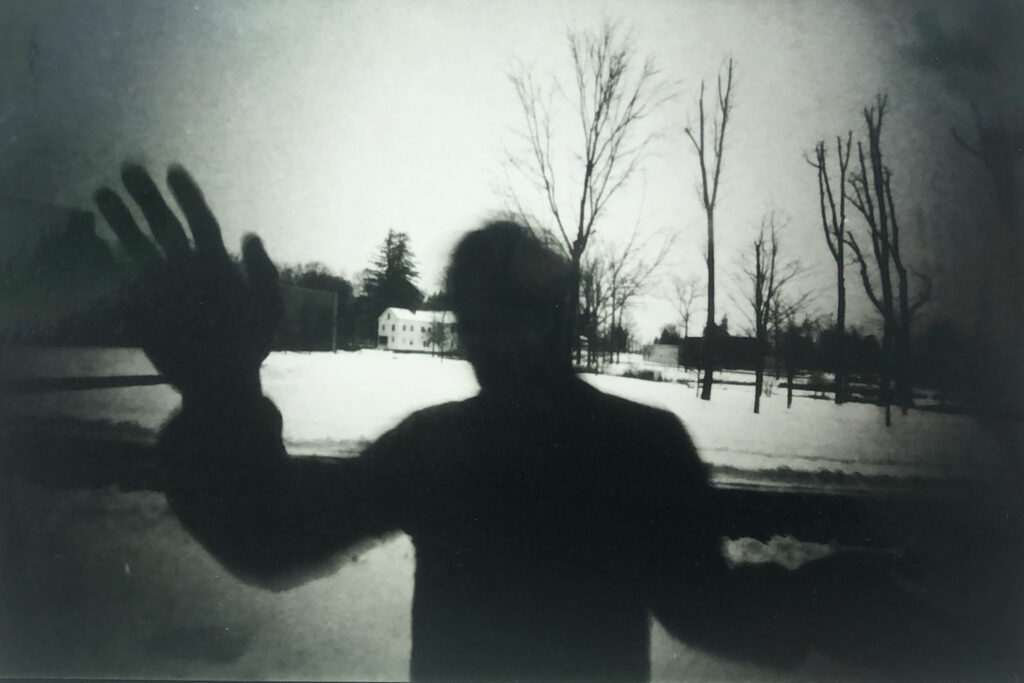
107, 583
333, 402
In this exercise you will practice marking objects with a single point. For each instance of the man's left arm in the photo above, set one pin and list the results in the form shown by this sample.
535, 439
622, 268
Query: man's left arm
742, 612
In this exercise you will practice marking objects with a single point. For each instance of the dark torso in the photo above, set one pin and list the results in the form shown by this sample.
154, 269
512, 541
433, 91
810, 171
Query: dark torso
530, 523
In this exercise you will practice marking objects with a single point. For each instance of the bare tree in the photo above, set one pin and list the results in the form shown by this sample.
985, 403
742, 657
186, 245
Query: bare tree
833, 223
794, 343
907, 308
785, 310
614, 92
710, 154
765, 277
632, 270
686, 292
438, 335
593, 302
612, 276
872, 197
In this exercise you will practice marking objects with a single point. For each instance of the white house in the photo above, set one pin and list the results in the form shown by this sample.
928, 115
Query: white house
399, 329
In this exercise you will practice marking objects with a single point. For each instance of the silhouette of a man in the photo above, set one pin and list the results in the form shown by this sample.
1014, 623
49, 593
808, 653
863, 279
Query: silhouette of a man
549, 519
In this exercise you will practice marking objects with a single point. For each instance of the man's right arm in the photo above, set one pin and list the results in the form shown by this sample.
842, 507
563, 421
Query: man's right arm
272, 520
207, 326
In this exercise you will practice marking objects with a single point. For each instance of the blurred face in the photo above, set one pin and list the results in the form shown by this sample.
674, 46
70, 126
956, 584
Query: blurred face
510, 351
509, 296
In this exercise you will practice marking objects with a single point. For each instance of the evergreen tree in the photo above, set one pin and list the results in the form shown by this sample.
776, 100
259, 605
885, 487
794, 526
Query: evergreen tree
390, 281
669, 335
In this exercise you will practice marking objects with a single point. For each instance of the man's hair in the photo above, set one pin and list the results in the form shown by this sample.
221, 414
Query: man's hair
504, 270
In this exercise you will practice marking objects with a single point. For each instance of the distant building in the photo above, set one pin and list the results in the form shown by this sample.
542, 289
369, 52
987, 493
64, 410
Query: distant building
399, 329
731, 353
662, 354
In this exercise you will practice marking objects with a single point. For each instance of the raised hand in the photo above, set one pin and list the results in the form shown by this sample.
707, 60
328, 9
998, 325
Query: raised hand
206, 324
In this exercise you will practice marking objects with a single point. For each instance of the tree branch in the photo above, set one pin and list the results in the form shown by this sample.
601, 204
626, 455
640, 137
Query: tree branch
851, 241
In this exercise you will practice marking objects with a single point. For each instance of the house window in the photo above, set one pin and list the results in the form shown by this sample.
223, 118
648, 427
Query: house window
426, 344
392, 328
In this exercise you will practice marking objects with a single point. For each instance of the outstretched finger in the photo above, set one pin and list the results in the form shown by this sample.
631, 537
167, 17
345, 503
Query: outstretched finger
119, 218
205, 230
163, 223
263, 281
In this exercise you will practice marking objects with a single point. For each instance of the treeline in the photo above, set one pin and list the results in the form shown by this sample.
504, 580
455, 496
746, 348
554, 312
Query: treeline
315, 296
67, 291
945, 359
71, 291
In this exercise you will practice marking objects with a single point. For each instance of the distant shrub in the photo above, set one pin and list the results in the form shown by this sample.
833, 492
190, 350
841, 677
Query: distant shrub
819, 383
649, 375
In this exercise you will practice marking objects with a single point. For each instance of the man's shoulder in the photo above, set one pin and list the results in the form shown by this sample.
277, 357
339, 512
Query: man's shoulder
435, 417
658, 443
618, 409
428, 430
449, 410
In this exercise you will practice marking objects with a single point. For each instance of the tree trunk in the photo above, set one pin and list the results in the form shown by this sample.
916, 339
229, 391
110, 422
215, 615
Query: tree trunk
841, 380
625, 339
790, 378
612, 343
334, 324
758, 384
760, 334
884, 388
885, 274
709, 327
778, 355
903, 356
573, 313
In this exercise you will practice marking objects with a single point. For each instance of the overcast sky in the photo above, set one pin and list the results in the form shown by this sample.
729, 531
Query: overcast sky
320, 125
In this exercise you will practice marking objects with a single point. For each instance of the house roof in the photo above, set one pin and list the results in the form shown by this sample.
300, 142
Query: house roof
404, 314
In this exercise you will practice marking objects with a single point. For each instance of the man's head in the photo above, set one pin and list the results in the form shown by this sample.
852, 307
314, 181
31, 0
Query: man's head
511, 296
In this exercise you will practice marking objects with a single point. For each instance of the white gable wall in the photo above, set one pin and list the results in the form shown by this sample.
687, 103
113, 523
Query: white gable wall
399, 329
